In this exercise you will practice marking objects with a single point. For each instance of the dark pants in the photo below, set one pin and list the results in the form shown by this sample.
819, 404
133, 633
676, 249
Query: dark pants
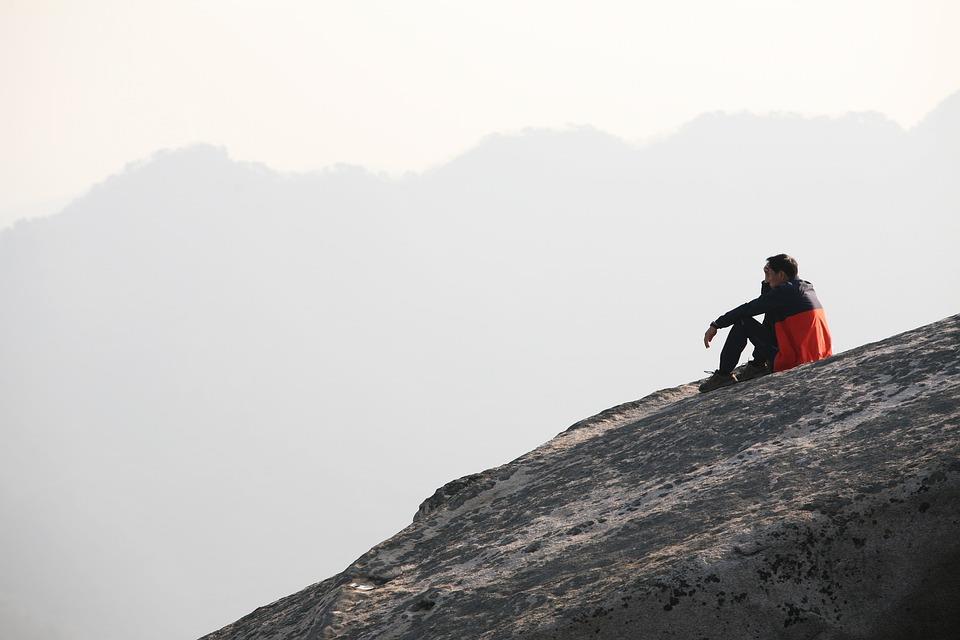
761, 335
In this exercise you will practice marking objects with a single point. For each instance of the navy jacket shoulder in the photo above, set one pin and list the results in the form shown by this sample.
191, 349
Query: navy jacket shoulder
789, 298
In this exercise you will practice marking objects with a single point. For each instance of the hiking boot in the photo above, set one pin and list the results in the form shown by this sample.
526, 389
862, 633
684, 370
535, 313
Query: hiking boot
718, 380
754, 369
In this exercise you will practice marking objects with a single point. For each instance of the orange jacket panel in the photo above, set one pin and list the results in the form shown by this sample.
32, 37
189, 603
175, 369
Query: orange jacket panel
802, 337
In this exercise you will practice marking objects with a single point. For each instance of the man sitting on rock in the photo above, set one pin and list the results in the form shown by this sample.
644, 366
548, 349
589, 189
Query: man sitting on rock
794, 329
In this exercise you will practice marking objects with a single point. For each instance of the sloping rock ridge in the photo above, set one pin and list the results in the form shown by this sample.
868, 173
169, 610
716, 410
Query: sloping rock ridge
822, 502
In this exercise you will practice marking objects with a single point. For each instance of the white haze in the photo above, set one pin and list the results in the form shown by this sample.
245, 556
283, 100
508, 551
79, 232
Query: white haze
302, 84
221, 383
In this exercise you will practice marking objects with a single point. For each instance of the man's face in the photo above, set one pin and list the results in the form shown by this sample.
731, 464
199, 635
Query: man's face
774, 278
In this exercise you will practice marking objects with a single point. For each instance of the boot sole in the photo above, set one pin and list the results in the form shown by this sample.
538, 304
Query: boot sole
720, 386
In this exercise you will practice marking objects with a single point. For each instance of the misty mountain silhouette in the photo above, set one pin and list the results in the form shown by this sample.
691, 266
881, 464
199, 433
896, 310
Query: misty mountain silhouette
199, 347
944, 120
822, 501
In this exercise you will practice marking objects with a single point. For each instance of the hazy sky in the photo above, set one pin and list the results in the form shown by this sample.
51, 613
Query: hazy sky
258, 377
89, 86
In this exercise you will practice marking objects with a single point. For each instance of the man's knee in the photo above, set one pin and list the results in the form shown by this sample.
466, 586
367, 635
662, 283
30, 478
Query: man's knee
743, 327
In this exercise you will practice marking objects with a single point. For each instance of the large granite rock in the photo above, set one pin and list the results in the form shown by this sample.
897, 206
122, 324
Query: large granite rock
823, 502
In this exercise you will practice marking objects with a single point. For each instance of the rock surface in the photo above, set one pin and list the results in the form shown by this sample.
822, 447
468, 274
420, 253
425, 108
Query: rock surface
823, 502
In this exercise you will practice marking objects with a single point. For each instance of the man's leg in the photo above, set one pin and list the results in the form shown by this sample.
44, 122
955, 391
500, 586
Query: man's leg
767, 349
740, 332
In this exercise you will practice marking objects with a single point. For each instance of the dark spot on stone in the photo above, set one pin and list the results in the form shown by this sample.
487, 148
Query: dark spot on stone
751, 550
793, 614
859, 542
423, 605
924, 506
579, 528
533, 546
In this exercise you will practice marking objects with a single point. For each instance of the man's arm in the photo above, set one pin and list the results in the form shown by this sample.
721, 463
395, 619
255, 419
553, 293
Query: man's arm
767, 301
764, 304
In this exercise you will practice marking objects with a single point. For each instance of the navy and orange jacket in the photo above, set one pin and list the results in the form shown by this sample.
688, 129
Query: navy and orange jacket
799, 323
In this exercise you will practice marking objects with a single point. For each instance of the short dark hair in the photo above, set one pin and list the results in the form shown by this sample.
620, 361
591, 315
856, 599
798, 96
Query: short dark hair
783, 262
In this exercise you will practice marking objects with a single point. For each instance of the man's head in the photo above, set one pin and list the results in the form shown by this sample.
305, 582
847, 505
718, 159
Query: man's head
779, 269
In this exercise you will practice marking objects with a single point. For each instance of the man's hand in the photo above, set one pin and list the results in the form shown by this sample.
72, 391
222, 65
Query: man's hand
709, 335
